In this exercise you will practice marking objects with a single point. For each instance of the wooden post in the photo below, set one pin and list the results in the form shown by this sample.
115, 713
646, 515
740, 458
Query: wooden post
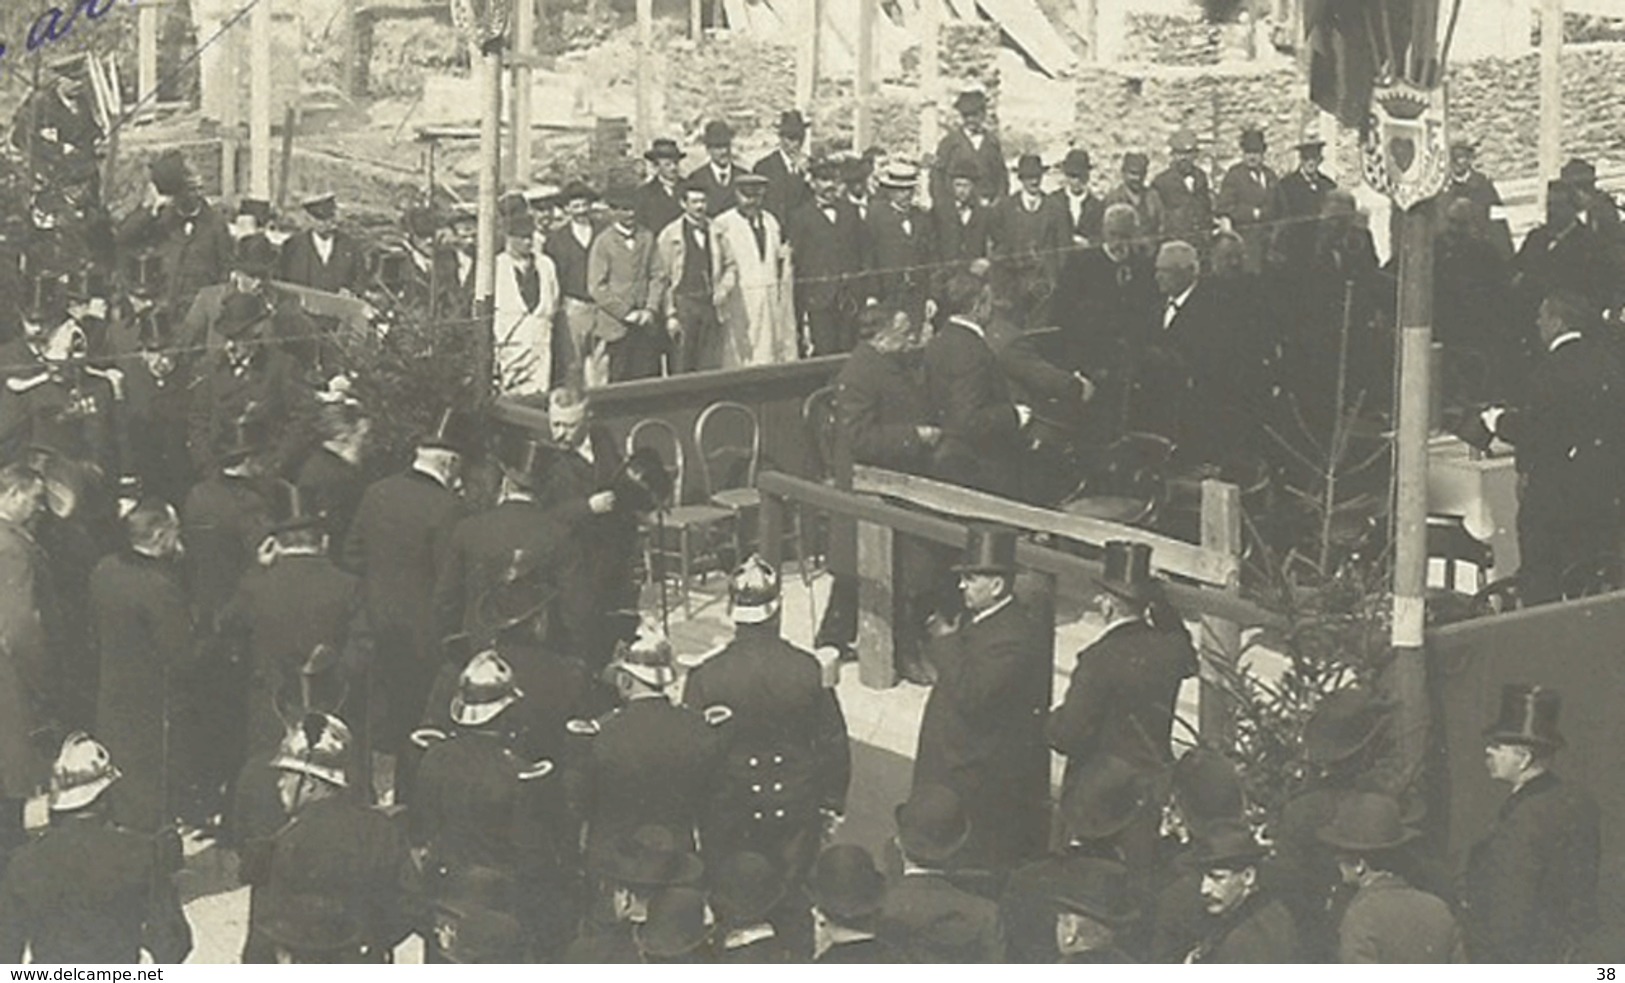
284, 174
696, 20
231, 111
812, 22
641, 123
864, 130
877, 666
524, 49
1551, 95
1220, 639
490, 63
259, 112
930, 75
146, 27
770, 536
1409, 677
348, 72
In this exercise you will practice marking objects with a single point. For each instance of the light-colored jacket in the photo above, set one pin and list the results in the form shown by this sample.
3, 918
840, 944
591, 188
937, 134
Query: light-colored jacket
523, 337
671, 251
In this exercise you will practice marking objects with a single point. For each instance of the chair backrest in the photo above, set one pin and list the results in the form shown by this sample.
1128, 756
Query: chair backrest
664, 439
728, 440
818, 416
1449, 543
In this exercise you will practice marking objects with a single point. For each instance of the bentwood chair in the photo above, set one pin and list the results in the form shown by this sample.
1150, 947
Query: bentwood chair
680, 531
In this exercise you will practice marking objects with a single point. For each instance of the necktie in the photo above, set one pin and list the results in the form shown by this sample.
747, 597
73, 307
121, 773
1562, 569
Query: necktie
1171, 313
761, 236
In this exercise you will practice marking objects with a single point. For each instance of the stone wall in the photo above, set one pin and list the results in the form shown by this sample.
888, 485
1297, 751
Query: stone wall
1164, 39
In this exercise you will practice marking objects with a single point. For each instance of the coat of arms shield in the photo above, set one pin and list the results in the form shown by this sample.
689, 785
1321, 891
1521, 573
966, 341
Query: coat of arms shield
1406, 151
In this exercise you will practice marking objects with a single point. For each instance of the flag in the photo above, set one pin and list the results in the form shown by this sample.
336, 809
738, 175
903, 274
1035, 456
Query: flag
1354, 45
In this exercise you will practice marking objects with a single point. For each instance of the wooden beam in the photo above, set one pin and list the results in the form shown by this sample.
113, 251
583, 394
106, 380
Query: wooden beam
284, 174
1551, 94
1220, 637
490, 69
642, 125
524, 47
696, 20
930, 75
864, 129
146, 44
812, 22
1208, 566
877, 665
259, 112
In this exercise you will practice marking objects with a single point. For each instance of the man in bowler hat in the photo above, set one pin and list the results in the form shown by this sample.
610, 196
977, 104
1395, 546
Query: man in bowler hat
718, 173
1096, 907
1244, 197
1084, 209
925, 913
982, 734
848, 894
1244, 923
321, 257
1186, 194
1529, 892
971, 141
659, 199
786, 168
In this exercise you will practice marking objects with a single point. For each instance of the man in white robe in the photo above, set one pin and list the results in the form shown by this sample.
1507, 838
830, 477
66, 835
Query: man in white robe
753, 287
527, 294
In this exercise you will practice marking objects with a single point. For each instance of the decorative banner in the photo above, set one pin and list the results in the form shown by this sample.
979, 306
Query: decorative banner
1406, 150
481, 21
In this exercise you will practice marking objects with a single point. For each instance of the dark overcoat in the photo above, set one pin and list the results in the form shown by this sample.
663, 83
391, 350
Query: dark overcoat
981, 436
936, 922
343, 270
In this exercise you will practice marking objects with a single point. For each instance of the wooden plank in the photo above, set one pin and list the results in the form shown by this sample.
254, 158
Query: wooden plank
877, 667
1220, 637
1075, 575
1030, 28
863, 129
1171, 556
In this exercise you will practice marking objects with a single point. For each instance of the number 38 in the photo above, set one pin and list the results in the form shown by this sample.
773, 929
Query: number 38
1605, 972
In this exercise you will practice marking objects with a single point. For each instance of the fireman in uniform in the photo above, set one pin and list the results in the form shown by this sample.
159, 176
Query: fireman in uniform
787, 762
67, 406
482, 812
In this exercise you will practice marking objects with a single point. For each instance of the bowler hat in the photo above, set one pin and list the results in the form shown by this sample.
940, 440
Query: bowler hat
1462, 145
972, 102
578, 190
964, 167
845, 883
322, 207
1135, 162
718, 134
255, 256
471, 919
520, 225
932, 826
1103, 797
792, 125
240, 313
1228, 845
678, 922
1127, 572
1342, 724
1076, 163
650, 856
1578, 170
1182, 141
1252, 140
664, 148
825, 169
1366, 822
1029, 166
989, 549
170, 173
313, 927
1098, 888
744, 888
1207, 788
1528, 716
622, 198
454, 430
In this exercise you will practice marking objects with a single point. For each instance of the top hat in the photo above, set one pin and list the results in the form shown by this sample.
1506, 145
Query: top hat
1029, 166
1127, 572
1366, 822
577, 190
323, 207
291, 508
1252, 140
753, 592
254, 256
240, 313
1578, 170
82, 772
1183, 141
678, 923
1528, 716
170, 173
1342, 724
455, 430
524, 458
718, 134
647, 658
510, 603
792, 125
484, 689
744, 888
1103, 797
256, 208
246, 435
644, 483
845, 883
1207, 788
1228, 845
971, 102
650, 856
989, 549
1076, 163
664, 148
1098, 888
932, 826
313, 927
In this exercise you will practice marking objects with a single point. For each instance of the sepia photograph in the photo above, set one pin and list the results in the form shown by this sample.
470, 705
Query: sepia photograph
811, 482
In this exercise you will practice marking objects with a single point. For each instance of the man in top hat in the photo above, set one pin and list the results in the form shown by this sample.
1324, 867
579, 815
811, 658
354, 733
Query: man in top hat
177, 222
252, 266
1096, 907
1121, 698
1030, 226
659, 199
753, 293
858, 174
1387, 920
482, 547
253, 218
1243, 202
971, 141
635, 868
482, 803
902, 253
526, 301
248, 375
569, 247
1529, 892
785, 168
961, 223
1135, 190
718, 173
787, 761
143, 626
87, 890
970, 398
1570, 456
1598, 211
620, 270
1296, 204
685, 273
57, 126
1084, 209
1244, 923
402, 525
746, 894
925, 914
830, 243
322, 257
650, 761
334, 845
848, 895
1469, 183
982, 734
1187, 197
